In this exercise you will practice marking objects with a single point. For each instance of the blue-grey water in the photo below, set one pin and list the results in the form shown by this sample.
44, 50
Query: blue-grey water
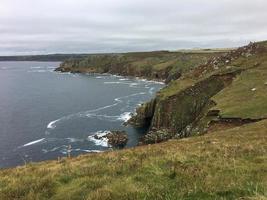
42, 112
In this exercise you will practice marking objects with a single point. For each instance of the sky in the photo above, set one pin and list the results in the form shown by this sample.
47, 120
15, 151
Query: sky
97, 26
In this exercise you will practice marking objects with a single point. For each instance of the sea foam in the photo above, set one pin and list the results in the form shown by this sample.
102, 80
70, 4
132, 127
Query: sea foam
33, 142
99, 142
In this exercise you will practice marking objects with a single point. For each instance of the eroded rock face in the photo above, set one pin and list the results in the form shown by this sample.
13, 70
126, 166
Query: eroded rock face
144, 114
156, 136
173, 77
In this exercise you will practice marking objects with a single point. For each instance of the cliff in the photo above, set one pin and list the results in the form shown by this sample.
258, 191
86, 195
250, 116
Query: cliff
198, 84
183, 108
224, 97
158, 65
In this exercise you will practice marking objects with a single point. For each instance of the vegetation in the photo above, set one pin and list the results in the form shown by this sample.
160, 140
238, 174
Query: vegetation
216, 96
229, 164
151, 65
233, 84
246, 97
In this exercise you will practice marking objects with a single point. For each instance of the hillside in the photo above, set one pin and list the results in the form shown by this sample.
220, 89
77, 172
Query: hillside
229, 164
209, 123
158, 65
227, 90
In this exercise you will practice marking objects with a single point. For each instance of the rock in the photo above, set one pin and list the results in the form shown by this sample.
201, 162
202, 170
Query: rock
97, 137
156, 136
117, 139
173, 77
253, 89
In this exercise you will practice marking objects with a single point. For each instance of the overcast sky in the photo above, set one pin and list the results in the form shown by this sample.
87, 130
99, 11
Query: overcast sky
75, 26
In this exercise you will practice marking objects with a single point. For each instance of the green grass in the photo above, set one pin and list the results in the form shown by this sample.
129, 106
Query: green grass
175, 87
221, 165
239, 99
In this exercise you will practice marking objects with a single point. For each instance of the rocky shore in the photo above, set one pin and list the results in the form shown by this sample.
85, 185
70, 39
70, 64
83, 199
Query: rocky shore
182, 108
116, 139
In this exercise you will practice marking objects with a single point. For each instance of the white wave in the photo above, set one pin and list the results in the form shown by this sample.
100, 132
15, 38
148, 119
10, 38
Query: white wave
55, 149
151, 90
72, 140
62, 73
150, 81
52, 124
87, 150
91, 151
134, 84
41, 71
113, 82
99, 142
123, 79
92, 113
125, 116
104, 117
33, 142
114, 75
36, 67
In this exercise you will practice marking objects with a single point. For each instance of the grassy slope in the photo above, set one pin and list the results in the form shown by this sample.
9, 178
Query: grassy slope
221, 165
239, 99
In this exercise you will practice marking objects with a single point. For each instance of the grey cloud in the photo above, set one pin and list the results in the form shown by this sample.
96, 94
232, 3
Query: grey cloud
67, 26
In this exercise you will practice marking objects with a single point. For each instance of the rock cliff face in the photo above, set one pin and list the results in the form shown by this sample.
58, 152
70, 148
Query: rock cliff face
181, 107
179, 113
176, 112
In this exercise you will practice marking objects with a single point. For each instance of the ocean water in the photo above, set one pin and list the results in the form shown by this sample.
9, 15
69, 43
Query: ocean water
42, 112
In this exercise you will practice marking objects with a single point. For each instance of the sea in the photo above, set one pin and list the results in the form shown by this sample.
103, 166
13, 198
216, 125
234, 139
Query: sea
46, 115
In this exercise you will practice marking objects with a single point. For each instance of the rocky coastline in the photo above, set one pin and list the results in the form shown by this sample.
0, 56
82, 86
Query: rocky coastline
182, 108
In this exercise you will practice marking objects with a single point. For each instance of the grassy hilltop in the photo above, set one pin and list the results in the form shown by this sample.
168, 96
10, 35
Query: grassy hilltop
211, 120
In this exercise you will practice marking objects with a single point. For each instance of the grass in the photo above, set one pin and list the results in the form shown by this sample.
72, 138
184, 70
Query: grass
229, 164
174, 87
225, 164
246, 96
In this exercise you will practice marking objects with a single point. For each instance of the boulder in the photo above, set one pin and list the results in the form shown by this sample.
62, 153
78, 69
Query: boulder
117, 139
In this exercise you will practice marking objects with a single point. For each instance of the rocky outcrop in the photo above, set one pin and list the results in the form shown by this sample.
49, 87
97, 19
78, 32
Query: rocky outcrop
222, 123
222, 60
172, 77
116, 139
176, 112
156, 136
144, 114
